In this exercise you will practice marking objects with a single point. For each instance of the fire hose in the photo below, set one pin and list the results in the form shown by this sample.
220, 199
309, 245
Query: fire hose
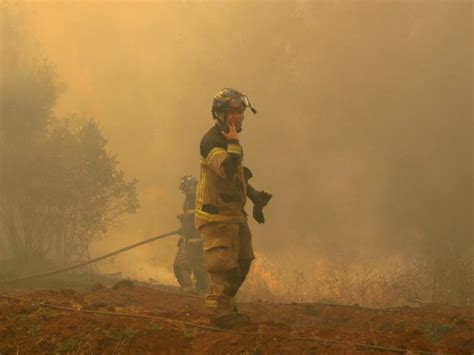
85, 263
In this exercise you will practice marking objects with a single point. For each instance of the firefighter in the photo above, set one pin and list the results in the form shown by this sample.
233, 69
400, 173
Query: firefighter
220, 216
189, 258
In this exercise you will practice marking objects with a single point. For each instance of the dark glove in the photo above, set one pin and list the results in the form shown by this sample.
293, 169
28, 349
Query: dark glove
258, 214
260, 199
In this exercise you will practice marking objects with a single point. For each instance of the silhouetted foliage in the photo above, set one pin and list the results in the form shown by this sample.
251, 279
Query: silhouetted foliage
60, 188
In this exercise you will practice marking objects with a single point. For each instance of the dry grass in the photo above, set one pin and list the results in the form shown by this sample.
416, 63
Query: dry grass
400, 282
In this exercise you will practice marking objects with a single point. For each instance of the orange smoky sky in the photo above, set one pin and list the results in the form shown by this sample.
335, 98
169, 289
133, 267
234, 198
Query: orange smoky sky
364, 125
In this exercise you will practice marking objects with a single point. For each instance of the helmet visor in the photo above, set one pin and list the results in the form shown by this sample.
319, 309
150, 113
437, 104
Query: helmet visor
239, 103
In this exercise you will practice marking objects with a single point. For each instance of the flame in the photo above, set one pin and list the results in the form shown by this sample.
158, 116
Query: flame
262, 273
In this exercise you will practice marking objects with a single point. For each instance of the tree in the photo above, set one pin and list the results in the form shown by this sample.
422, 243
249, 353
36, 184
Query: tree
60, 188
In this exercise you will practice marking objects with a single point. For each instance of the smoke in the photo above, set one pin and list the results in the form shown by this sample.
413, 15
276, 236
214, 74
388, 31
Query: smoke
364, 125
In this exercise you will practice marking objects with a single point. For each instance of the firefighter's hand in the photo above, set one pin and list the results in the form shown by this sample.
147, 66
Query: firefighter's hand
262, 201
264, 198
258, 214
233, 134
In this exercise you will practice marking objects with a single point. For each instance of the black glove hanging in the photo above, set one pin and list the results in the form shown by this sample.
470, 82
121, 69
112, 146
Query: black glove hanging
260, 199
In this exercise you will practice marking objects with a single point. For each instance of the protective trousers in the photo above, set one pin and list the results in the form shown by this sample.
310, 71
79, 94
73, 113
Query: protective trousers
189, 262
228, 254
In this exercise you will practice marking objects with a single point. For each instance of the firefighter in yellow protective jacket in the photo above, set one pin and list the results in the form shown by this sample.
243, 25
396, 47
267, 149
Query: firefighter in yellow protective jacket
220, 216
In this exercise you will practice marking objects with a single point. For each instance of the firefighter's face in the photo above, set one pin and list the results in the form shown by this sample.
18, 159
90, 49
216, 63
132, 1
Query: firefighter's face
236, 118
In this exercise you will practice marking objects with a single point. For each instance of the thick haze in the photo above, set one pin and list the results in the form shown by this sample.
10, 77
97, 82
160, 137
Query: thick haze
364, 125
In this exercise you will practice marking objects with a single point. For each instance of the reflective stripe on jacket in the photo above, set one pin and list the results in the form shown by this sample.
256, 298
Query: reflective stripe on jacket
222, 189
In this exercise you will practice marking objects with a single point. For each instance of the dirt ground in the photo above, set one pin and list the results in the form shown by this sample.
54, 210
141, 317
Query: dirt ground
27, 328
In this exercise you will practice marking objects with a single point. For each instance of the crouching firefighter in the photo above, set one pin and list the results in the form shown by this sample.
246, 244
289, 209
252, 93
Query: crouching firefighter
189, 258
220, 216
